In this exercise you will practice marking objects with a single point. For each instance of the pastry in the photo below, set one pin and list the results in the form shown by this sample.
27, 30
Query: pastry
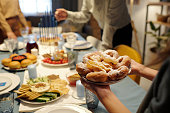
14, 65
32, 57
6, 61
104, 66
13, 55
25, 63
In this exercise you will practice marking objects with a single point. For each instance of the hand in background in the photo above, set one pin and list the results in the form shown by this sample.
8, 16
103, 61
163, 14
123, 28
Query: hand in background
11, 35
61, 14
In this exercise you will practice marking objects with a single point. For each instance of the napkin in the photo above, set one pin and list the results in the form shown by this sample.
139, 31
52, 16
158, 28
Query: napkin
66, 99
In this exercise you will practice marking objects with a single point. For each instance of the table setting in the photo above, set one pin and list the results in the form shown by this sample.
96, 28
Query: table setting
63, 91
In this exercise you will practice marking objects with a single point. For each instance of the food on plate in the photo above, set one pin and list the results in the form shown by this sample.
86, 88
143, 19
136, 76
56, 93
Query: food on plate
104, 66
40, 87
26, 54
43, 89
14, 65
25, 63
65, 35
47, 55
6, 61
33, 58
17, 61
59, 57
13, 55
19, 58
73, 78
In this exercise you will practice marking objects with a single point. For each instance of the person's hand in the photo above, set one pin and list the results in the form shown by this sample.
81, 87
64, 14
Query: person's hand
61, 14
98, 90
11, 35
29, 29
135, 67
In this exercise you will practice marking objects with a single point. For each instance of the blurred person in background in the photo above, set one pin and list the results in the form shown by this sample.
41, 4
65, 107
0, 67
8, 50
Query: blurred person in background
112, 17
10, 17
158, 97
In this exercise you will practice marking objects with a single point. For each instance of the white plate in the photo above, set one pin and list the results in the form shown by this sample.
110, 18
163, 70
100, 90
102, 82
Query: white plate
15, 81
68, 108
7, 82
37, 103
80, 44
21, 45
21, 69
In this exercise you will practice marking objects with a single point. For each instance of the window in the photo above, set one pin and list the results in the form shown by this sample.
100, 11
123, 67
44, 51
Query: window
35, 7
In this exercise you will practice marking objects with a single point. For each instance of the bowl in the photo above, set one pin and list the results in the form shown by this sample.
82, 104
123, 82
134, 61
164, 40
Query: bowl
19, 58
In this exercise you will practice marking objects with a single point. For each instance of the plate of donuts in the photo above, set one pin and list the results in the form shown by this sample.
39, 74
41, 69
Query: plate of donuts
104, 68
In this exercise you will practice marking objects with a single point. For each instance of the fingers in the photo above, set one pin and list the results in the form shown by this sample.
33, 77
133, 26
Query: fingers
60, 14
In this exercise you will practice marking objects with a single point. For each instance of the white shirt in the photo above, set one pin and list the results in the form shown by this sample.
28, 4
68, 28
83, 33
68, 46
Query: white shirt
110, 15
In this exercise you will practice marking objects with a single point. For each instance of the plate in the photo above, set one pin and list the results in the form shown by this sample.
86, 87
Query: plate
37, 103
80, 44
21, 45
15, 81
47, 64
21, 69
67, 108
104, 83
5, 82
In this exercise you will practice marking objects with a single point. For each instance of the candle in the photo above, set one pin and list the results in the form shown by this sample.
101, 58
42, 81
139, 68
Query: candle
34, 51
32, 71
80, 89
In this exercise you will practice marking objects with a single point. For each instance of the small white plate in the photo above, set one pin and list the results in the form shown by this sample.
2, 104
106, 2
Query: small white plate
67, 108
15, 81
21, 45
7, 82
80, 44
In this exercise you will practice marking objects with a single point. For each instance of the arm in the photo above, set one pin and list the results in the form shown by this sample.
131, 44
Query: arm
81, 17
5, 26
141, 70
107, 37
21, 17
107, 97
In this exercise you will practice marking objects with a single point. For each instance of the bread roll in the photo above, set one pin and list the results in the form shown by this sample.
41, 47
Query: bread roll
14, 65
33, 58
6, 61
13, 55
25, 63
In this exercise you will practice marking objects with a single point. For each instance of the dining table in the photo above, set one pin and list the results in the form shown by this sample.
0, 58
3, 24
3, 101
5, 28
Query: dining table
128, 91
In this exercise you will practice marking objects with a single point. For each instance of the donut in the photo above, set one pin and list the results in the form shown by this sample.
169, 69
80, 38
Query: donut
104, 66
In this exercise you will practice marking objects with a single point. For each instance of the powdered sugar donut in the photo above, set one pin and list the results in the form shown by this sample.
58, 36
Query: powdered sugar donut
104, 66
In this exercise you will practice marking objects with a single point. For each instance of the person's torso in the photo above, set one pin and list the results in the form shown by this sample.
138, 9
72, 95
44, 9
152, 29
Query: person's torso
114, 12
9, 8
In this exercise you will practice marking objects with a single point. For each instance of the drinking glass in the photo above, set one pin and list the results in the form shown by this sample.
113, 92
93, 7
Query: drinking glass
11, 44
7, 103
24, 31
91, 100
72, 59
71, 40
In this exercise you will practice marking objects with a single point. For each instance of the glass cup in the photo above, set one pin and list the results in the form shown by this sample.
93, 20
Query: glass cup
71, 40
24, 31
11, 44
91, 100
72, 59
6, 103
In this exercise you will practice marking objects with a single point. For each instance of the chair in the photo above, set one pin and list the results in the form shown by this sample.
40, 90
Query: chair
133, 54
